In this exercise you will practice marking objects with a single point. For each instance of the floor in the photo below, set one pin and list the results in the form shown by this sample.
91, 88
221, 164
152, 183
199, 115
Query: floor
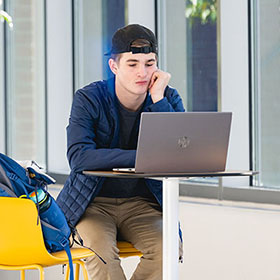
230, 240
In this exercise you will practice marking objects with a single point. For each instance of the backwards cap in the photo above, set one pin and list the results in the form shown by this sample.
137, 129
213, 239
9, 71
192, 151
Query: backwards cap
124, 37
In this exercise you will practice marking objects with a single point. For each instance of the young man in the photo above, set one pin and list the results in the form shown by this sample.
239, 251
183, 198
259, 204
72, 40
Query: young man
102, 134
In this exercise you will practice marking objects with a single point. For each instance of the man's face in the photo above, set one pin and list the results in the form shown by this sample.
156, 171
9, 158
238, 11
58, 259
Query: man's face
134, 71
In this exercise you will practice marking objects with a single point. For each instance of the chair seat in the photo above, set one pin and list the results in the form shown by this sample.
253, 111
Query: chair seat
127, 250
77, 254
44, 258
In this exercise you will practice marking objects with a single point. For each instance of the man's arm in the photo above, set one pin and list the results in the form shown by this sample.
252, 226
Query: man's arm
165, 99
171, 102
82, 151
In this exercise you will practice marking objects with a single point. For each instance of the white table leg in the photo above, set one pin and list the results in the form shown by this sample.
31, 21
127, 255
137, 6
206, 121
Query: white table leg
170, 228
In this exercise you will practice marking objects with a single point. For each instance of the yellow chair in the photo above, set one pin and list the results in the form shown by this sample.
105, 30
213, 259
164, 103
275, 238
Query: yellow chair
21, 241
127, 250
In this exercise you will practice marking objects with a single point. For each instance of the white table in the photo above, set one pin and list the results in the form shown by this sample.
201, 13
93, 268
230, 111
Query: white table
170, 209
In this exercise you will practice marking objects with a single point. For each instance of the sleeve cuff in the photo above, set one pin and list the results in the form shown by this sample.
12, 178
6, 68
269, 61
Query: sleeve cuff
160, 106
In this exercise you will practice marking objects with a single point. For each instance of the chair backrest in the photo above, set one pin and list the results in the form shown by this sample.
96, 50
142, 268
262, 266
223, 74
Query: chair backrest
21, 237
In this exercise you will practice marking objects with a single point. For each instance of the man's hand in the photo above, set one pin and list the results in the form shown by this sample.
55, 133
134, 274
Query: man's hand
158, 83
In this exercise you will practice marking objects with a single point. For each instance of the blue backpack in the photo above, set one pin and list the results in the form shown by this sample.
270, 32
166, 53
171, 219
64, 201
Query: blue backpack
16, 181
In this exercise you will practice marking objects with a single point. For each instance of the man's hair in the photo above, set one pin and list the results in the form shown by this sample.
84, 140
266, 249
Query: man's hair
136, 43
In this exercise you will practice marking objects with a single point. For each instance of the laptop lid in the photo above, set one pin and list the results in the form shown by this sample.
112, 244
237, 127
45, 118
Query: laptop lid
182, 142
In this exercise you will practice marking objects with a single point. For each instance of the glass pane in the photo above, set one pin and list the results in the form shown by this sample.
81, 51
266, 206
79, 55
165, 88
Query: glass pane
202, 79
266, 99
26, 81
95, 22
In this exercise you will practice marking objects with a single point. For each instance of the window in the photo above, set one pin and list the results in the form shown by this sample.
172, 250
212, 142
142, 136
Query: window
25, 81
95, 22
201, 37
188, 50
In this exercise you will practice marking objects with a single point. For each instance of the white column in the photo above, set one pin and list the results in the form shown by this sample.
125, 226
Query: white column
59, 81
170, 228
142, 12
2, 98
234, 83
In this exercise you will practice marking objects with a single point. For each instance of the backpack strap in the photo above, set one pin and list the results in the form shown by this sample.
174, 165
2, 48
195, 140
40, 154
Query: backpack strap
68, 252
54, 237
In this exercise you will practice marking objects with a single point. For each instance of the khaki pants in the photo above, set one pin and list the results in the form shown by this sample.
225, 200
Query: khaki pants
138, 221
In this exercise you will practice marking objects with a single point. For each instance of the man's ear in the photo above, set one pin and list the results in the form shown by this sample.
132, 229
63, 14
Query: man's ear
113, 65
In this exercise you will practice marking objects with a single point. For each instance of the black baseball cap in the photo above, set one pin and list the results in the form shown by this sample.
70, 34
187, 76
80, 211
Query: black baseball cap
124, 37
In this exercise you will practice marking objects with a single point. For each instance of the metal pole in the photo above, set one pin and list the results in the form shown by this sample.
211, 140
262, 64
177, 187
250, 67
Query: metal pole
170, 228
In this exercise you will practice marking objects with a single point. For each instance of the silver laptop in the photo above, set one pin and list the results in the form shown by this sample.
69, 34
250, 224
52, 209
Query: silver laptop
177, 142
